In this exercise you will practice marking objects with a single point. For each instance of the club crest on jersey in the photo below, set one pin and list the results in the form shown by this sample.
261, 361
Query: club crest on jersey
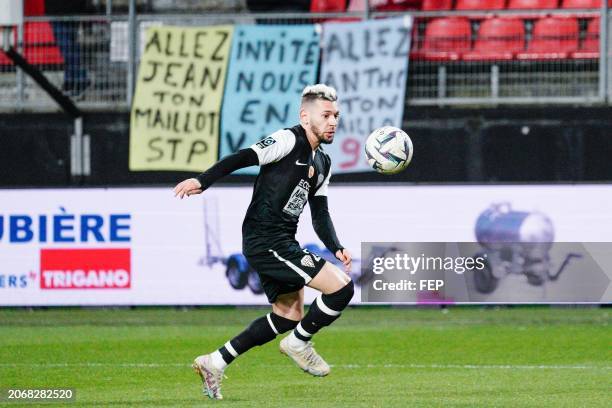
307, 261
268, 141
316, 257
310, 172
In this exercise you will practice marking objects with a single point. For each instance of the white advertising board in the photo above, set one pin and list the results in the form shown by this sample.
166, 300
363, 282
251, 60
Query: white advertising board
141, 246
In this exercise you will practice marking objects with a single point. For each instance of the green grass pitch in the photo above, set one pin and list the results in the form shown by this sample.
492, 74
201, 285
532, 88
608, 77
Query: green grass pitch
380, 357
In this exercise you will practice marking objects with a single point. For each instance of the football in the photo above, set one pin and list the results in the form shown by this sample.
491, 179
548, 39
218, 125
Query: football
388, 149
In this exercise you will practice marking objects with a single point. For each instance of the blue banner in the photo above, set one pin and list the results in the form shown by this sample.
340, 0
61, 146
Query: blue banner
269, 67
367, 63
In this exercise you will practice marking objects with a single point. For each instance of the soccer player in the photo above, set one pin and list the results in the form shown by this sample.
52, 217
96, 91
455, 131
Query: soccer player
294, 170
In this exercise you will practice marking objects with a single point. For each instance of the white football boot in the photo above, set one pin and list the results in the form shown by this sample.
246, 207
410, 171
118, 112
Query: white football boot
306, 358
211, 376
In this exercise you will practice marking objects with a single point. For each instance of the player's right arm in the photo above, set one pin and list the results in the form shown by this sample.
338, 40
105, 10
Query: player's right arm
269, 150
196, 185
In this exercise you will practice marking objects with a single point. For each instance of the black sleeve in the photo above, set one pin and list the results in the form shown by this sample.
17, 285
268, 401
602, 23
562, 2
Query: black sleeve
240, 159
322, 223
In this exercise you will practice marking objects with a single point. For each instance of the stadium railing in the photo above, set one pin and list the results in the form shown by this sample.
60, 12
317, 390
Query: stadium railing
458, 57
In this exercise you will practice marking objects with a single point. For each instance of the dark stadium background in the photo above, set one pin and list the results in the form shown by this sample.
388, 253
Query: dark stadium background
455, 145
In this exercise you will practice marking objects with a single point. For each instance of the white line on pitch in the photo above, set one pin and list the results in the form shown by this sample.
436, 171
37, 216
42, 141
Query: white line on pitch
345, 366
479, 367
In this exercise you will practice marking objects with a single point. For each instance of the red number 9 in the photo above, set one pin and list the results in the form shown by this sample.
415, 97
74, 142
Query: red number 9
352, 148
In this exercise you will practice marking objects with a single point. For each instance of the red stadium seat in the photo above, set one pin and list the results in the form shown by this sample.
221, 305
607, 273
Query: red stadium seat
590, 45
327, 6
356, 5
330, 6
38, 32
40, 48
4, 60
395, 5
580, 4
34, 8
583, 4
445, 39
39, 41
39, 45
553, 38
532, 4
480, 4
353, 6
498, 39
433, 5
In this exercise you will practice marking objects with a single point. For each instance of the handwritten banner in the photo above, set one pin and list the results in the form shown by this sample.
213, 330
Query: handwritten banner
367, 63
175, 114
269, 68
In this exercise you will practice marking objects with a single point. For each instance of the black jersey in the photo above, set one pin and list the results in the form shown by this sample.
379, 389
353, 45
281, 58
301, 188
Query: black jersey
291, 173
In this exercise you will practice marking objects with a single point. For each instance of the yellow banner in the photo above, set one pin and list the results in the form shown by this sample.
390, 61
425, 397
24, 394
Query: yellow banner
174, 123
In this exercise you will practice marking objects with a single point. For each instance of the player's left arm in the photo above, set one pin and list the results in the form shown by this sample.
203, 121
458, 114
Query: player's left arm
324, 227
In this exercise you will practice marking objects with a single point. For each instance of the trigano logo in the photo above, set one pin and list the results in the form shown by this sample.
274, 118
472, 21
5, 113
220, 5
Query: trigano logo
85, 268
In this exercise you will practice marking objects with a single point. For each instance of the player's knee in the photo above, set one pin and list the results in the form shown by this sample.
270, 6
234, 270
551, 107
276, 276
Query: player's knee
338, 300
290, 313
282, 324
347, 292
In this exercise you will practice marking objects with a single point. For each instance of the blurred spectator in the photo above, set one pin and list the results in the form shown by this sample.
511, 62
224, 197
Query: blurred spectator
75, 76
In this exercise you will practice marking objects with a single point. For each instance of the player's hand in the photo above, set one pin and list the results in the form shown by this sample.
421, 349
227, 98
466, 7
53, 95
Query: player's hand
345, 256
187, 187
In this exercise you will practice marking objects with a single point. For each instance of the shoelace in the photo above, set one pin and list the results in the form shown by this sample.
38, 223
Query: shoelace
311, 355
217, 377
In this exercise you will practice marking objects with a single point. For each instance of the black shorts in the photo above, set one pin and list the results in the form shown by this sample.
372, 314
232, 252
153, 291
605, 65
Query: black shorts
285, 268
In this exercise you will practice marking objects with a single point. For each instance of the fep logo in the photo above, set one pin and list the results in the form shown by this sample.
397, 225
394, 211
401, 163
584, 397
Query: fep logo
107, 268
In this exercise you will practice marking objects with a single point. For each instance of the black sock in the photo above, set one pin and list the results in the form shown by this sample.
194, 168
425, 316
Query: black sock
323, 311
259, 332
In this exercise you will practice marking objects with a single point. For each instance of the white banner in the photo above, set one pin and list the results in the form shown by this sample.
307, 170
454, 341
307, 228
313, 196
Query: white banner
367, 63
137, 246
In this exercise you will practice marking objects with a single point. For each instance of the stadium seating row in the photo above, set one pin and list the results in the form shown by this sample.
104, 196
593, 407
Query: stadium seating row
324, 6
450, 39
446, 39
499, 37
433, 5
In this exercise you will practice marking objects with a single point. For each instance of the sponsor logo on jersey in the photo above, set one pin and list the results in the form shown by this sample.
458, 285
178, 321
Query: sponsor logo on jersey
297, 199
268, 141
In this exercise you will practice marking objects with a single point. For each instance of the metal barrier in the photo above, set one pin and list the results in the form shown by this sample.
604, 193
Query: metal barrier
94, 59
74, 53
